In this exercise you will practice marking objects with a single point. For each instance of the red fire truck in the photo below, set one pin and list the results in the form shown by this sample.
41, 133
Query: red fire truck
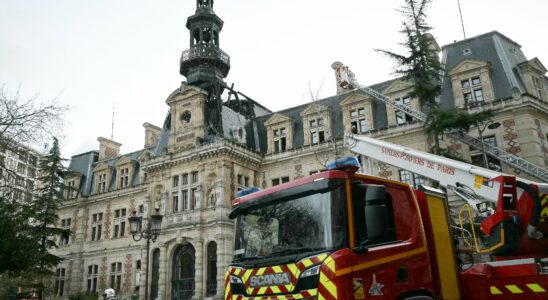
344, 235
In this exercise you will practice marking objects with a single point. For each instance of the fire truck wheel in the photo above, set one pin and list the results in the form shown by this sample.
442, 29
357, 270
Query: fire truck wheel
416, 295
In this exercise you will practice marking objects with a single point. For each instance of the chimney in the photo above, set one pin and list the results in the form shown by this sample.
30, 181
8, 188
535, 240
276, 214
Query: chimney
433, 45
152, 134
107, 148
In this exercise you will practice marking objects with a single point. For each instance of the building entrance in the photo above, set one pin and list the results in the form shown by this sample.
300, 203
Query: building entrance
182, 285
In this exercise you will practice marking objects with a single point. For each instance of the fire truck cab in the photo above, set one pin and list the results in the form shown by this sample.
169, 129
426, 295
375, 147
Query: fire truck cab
344, 235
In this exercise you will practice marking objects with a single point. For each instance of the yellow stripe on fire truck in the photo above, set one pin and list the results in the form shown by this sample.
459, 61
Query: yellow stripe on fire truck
295, 269
514, 289
544, 205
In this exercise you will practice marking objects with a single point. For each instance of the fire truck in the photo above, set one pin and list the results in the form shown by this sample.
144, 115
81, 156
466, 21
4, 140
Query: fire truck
340, 234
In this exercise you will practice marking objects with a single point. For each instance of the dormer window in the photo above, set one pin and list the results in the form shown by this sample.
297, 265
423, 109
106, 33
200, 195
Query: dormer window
279, 130
358, 123
471, 83
72, 191
102, 183
316, 122
538, 87
401, 117
124, 177
472, 91
280, 139
317, 131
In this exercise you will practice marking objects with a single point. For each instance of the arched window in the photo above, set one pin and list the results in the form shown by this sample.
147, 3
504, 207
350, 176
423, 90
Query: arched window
211, 284
183, 273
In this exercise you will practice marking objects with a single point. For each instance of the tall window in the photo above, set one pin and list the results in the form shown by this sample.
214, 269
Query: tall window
175, 181
65, 238
401, 117
72, 192
185, 179
185, 199
93, 272
211, 284
102, 183
175, 199
280, 139
124, 177
277, 181
472, 91
59, 282
96, 226
116, 275
119, 222
411, 178
493, 163
537, 86
137, 275
195, 177
357, 121
243, 182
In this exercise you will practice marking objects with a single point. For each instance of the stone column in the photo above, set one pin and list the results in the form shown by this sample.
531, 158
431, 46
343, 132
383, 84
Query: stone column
224, 257
199, 267
163, 271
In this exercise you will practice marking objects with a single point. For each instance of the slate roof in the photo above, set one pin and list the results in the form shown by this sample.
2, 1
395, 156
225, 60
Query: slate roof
503, 54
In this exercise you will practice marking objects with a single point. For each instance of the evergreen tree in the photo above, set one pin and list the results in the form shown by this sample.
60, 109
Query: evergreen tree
43, 209
421, 67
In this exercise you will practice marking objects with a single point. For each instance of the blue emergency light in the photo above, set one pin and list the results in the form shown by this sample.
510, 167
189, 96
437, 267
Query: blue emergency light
345, 163
247, 191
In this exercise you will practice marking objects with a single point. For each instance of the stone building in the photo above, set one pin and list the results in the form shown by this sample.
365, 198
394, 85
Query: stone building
18, 171
209, 148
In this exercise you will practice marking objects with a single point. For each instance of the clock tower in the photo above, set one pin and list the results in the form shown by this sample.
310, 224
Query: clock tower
205, 65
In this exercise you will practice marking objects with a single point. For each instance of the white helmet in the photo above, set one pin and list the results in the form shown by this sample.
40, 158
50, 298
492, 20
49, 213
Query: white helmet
109, 294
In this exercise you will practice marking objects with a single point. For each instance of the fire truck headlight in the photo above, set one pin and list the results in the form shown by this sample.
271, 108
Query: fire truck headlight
315, 270
234, 279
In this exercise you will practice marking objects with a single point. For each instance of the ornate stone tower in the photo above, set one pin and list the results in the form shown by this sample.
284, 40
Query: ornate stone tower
205, 65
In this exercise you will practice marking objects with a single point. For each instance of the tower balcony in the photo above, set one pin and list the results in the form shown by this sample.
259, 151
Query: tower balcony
204, 54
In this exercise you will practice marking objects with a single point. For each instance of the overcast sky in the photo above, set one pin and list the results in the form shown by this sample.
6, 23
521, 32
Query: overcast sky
125, 54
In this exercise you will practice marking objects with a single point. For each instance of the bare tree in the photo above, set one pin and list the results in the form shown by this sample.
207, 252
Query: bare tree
25, 123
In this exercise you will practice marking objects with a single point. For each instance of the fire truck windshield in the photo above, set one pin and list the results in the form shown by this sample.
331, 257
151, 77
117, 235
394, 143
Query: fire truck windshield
313, 222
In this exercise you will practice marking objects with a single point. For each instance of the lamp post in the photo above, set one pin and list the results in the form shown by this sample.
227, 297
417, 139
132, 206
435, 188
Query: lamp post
151, 232
489, 125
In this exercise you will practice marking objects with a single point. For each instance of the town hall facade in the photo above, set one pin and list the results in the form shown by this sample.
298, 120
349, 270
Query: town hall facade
208, 148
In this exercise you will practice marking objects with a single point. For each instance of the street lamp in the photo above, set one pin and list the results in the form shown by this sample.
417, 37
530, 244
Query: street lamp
488, 125
151, 232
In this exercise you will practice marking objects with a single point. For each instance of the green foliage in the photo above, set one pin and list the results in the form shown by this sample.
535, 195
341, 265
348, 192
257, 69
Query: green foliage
48, 198
28, 229
420, 64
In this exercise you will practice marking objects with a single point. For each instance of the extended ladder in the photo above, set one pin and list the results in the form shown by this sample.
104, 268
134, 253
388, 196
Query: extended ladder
508, 158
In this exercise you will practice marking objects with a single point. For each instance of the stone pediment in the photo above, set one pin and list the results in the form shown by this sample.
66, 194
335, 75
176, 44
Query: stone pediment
314, 108
186, 91
398, 86
101, 167
535, 64
277, 119
122, 161
144, 156
468, 65
354, 98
